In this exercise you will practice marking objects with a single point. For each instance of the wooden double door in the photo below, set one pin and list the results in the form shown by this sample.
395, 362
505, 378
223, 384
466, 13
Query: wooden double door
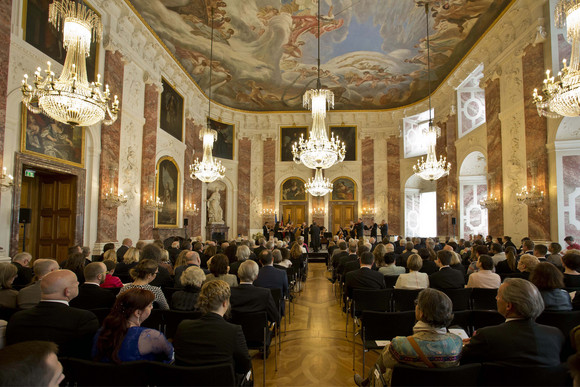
342, 214
52, 200
295, 213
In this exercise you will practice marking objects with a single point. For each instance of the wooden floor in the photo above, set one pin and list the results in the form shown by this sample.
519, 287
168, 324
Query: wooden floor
315, 350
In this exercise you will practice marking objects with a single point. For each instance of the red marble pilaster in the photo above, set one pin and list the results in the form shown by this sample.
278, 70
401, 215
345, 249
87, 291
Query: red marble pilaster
394, 186
494, 156
110, 143
368, 176
536, 138
447, 186
269, 175
5, 17
244, 168
148, 160
196, 184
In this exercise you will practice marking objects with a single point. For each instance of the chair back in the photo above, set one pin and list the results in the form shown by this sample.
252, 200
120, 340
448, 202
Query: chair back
156, 320
484, 318
101, 314
386, 325
390, 281
375, 300
465, 375
89, 373
565, 322
499, 375
484, 299
172, 375
255, 327
462, 319
172, 318
168, 293
404, 299
460, 297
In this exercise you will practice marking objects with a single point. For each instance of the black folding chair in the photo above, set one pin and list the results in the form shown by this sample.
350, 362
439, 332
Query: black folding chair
277, 296
172, 375
461, 298
101, 314
380, 326
390, 281
465, 375
483, 299
80, 372
168, 293
498, 375
404, 299
172, 318
565, 321
462, 319
484, 318
156, 320
258, 334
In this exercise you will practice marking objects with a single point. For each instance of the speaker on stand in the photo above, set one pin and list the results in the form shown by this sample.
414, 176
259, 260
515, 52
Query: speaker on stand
24, 217
453, 222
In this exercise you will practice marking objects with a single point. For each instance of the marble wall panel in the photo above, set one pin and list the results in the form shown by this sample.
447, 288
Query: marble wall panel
368, 172
196, 185
536, 138
571, 179
188, 194
494, 155
148, 151
5, 16
244, 168
269, 182
394, 188
110, 143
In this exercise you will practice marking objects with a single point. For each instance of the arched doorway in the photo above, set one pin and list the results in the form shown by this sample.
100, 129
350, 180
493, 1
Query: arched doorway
472, 189
420, 207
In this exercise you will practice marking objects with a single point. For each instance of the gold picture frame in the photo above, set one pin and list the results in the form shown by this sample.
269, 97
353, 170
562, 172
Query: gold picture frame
167, 189
293, 189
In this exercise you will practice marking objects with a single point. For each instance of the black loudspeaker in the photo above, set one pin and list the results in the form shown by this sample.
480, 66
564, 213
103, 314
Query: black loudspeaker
453, 220
185, 222
25, 215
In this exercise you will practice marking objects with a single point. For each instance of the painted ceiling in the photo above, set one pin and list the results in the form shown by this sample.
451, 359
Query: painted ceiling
373, 52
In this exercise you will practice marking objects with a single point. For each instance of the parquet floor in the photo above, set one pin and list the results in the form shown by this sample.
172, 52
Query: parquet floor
315, 350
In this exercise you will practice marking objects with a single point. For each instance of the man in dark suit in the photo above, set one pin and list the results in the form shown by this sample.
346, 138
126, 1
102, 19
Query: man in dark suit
374, 229
270, 277
266, 231
351, 257
384, 226
91, 295
162, 278
365, 277
24, 273
337, 255
191, 259
360, 228
446, 277
315, 241
247, 298
54, 320
520, 341
29, 297
127, 242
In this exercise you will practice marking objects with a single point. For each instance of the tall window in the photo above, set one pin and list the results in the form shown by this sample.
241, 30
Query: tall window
472, 189
416, 143
470, 103
420, 207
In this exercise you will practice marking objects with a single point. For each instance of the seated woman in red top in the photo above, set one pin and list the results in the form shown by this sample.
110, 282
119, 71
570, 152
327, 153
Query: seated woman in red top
110, 280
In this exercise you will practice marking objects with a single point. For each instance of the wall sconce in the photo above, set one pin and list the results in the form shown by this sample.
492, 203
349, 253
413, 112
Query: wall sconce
191, 210
114, 199
490, 202
318, 211
368, 211
268, 211
533, 196
6, 180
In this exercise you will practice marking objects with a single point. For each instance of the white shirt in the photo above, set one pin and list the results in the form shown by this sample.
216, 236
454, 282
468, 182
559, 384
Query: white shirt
498, 258
484, 279
412, 280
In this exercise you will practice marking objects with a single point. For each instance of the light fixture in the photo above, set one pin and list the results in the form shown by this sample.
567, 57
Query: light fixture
151, 205
209, 169
490, 202
431, 168
533, 196
191, 210
318, 211
268, 211
114, 200
318, 152
561, 96
447, 208
368, 211
71, 99
319, 186
6, 180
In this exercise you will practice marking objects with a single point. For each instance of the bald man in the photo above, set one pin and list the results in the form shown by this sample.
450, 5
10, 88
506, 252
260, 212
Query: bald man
91, 295
191, 259
29, 297
54, 320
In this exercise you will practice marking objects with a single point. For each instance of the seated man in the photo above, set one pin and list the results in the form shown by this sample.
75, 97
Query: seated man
271, 278
91, 295
247, 298
446, 277
520, 341
191, 259
391, 268
30, 363
29, 297
54, 320
365, 277
24, 277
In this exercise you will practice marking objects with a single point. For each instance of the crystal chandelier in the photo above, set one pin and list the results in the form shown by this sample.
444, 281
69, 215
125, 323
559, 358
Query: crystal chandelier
318, 151
191, 210
368, 211
6, 180
319, 186
268, 211
318, 211
431, 168
208, 169
114, 200
71, 99
153, 205
532, 197
447, 208
561, 96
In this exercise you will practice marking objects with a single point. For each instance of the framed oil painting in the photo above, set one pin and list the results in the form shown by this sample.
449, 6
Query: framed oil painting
224, 145
347, 134
288, 136
293, 190
344, 189
39, 32
171, 111
168, 192
42, 136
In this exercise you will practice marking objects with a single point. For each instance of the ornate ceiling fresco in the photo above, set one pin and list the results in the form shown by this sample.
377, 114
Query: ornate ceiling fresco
373, 52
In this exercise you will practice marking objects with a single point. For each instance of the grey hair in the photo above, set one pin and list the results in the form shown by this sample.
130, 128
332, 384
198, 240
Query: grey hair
436, 308
277, 254
270, 245
248, 271
193, 275
524, 296
243, 252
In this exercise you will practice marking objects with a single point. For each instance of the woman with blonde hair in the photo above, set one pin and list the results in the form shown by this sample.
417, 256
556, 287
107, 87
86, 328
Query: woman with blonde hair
413, 279
526, 265
180, 260
110, 255
379, 253
8, 296
130, 260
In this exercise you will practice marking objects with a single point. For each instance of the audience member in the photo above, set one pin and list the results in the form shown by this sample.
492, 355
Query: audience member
379, 252
286, 262
498, 253
127, 244
8, 296
526, 265
122, 339
247, 298
52, 319
520, 341
446, 277
555, 258
571, 244
109, 255
527, 246
22, 262
484, 277
414, 279
190, 281
111, 281
365, 277
30, 363
429, 266
431, 345
76, 263
191, 258
143, 274
271, 278
390, 268
550, 281
29, 297
510, 264
91, 295
211, 339
540, 252
219, 268
477, 251
455, 260
153, 252
126, 263
405, 254
242, 254
571, 262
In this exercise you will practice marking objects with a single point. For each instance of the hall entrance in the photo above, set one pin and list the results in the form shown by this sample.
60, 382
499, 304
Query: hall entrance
51, 198
342, 214
294, 212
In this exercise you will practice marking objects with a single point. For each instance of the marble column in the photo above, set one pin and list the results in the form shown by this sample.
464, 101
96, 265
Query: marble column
368, 177
269, 179
394, 188
148, 150
447, 186
536, 138
494, 156
5, 16
196, 184
110, 143
244, 168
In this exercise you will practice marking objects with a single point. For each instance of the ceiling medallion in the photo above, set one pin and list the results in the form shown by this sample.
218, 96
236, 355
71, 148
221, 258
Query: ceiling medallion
71, 99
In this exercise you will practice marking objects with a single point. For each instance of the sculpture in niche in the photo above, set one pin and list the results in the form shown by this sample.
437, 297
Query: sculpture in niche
215, 212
